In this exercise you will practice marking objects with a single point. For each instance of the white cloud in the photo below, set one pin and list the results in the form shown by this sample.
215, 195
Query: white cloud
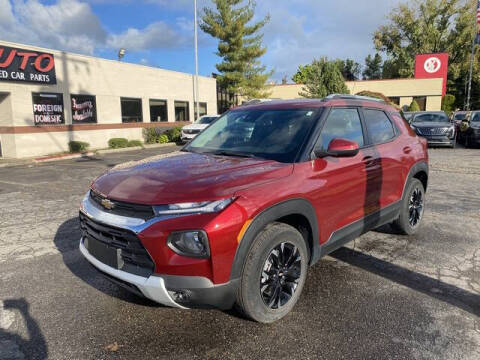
72, 25
67, 25
155, 36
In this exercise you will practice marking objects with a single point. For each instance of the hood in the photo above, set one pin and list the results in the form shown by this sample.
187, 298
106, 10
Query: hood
428, 124
195, 127
186, 177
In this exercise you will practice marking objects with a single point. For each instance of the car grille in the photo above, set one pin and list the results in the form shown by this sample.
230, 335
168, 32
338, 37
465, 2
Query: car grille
191, 131
432, 131
122, 208
133, 257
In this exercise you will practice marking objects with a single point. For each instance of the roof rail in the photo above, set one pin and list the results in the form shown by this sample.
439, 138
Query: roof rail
353, 97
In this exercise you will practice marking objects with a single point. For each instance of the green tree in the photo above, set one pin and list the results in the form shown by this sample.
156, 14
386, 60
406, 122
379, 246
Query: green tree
448, 103
349, 68
240, 46
414, 106
302, 74
431, 26
373, 67
323, 78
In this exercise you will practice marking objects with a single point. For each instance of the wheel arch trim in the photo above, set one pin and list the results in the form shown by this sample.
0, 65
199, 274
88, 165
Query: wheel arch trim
296, 206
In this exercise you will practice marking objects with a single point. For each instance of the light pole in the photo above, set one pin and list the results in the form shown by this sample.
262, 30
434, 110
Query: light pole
195, 83
121, 54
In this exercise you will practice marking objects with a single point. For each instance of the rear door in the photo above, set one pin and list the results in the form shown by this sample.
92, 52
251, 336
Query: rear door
382, 159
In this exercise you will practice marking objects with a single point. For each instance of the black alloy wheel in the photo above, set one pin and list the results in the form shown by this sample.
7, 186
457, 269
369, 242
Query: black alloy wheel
415, 207
280, 276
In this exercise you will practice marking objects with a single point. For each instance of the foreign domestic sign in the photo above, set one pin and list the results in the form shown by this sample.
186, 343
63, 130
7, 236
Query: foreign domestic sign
27, 66
48, 109
429, 66
84, 109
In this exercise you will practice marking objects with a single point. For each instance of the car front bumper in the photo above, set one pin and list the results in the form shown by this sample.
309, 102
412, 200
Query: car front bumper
440, 141
180, 291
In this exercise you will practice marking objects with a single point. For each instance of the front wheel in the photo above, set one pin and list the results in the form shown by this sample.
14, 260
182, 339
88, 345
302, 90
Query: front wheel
412, 208
274, 274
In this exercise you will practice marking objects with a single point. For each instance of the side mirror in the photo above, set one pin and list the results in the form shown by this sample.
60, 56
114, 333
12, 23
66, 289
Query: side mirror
339, 148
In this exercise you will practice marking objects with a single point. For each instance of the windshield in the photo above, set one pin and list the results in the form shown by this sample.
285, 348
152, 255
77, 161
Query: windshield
460, 117
206, 120
269, 134
431, 117
476, 117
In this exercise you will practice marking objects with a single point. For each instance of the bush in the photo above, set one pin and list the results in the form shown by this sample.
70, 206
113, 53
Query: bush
414, 106
133, 143
78, 146
163, 139
174, 134
150, 135
117, 143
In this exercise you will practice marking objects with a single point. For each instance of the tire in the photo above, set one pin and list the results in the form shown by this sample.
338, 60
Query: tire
415, 193
260, 306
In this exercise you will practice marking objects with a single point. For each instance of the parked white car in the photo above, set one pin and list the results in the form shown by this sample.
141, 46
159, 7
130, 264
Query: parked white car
190, 131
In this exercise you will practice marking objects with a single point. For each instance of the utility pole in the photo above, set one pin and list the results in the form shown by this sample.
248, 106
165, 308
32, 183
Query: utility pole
469, 91
195, 83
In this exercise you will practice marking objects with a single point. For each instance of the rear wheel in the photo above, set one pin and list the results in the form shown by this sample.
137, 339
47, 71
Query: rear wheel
412, 208
274, 274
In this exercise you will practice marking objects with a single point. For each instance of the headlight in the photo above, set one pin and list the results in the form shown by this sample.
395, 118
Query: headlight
190, 243
475, 126
451, 132
193, 207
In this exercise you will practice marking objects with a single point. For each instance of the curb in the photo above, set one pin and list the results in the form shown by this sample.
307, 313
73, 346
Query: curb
52, 158
151, 146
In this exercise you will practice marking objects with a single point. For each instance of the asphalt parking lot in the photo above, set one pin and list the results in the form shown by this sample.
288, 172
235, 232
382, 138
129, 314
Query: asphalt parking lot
383, 297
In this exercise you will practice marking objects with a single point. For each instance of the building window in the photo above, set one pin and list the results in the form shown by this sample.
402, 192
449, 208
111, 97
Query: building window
421, 101
131, 110
48, 109
202, 109
395, 100
84, 109
158, 111
182, 112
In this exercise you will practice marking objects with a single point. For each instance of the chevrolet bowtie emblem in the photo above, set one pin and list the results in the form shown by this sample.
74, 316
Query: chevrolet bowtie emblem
107, 204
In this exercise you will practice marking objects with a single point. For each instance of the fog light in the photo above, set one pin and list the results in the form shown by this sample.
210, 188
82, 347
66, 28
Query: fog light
180, 296
192, 243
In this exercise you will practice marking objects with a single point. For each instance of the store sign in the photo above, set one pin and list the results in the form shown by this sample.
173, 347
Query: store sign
48, 109
84, 109
429, 66
26, 66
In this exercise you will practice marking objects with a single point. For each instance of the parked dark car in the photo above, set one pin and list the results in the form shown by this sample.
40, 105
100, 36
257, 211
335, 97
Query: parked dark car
436, 127
469, 133
409, 115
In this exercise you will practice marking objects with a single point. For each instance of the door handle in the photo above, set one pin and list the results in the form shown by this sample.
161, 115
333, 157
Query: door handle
407, 149
368, 160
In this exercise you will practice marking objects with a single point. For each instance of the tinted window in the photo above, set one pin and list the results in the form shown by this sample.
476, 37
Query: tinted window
431, 117
131, 110
476, 117
379, 126
460, 116
269, 134
342, 123
182, 112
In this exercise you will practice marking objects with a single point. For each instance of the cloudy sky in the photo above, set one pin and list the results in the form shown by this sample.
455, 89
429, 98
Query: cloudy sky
160, 32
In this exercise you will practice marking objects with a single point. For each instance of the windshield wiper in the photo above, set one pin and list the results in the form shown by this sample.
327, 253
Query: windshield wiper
233, 153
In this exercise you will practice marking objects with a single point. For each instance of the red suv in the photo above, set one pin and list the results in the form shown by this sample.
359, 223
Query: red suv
239, 214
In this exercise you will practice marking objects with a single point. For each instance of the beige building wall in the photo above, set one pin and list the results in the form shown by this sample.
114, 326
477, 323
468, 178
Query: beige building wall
108, 80
405, 89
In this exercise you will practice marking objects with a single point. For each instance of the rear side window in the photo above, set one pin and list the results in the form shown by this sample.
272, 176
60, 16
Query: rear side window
379, 126
341, 123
